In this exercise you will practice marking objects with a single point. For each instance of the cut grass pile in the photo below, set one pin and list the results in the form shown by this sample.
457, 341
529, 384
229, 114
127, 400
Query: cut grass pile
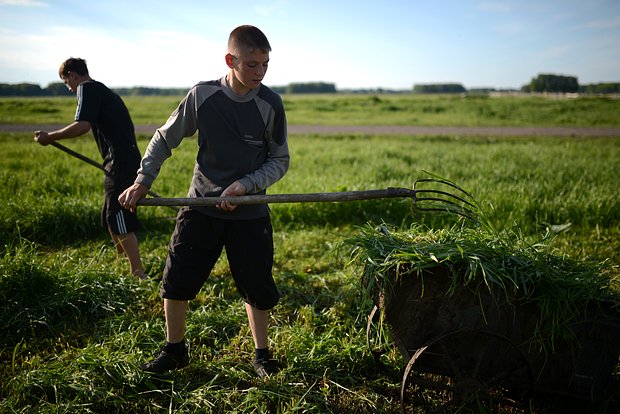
498, 264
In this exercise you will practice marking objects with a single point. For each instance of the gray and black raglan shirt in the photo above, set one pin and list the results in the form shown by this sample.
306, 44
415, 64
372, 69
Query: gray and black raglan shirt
239, 138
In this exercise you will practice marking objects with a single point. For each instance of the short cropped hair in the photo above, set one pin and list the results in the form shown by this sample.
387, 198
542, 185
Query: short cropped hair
76, 65
248, 37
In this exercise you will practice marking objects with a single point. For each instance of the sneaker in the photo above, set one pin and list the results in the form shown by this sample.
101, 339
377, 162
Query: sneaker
166, 361
264, 367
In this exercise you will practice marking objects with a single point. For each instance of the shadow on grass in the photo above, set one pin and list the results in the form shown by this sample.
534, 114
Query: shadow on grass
46, 301
316, 291
58, 223
396, 212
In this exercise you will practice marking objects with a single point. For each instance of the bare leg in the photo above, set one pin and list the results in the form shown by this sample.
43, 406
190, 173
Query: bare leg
259, 324
175, 353
117, 243
128, 244
175, 311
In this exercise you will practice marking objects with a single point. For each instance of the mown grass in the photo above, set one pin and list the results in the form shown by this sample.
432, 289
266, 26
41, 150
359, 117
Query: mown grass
75, 326
340, 109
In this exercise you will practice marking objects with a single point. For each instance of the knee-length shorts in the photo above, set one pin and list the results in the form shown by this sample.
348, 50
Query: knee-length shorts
113, 216
196, 245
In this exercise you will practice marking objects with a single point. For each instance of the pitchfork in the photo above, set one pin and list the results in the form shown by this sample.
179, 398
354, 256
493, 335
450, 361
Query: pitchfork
434, 199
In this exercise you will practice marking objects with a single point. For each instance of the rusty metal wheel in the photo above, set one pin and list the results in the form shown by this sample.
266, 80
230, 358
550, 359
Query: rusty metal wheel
468, 370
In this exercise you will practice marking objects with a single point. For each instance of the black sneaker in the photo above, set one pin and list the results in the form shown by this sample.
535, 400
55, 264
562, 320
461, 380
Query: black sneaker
166, 361
264, 367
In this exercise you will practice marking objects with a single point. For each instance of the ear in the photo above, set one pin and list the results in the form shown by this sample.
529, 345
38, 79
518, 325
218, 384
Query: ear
230, 60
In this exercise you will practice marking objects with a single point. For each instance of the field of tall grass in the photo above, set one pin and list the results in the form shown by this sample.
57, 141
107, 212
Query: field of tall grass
74, 326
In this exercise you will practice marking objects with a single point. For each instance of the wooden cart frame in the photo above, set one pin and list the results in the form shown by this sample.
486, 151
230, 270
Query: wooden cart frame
460, 343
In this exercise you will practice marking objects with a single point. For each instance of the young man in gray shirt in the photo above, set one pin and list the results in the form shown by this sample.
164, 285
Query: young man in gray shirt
242, 149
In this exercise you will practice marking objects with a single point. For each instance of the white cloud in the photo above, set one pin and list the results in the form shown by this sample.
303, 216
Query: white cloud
274, 8
23, 3
611, 23
144, 58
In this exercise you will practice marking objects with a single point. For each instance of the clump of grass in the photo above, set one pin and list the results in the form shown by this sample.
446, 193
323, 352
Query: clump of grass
480, 258
483, 259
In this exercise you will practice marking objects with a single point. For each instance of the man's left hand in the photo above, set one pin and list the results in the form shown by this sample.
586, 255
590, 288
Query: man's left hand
235, 189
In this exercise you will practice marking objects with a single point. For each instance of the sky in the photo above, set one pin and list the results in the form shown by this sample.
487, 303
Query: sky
354, 44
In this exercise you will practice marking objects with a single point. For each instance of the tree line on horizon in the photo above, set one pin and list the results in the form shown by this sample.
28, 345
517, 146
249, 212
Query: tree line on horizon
541, 83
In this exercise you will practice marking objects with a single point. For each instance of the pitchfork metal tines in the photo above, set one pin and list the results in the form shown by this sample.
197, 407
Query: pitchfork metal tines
428, 194
444, 196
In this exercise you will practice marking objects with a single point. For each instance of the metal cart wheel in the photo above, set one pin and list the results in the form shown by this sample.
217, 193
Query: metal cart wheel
468, 370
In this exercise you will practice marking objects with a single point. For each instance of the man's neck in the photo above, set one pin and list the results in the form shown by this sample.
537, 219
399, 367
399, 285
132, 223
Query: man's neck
84, 78
237, 87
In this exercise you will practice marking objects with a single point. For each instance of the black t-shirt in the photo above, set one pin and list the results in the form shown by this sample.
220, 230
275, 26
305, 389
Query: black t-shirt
111, 125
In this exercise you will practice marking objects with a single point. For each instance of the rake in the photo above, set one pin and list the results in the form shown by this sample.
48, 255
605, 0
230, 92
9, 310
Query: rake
446, 197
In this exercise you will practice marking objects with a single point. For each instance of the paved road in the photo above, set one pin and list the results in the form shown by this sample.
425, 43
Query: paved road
393, 130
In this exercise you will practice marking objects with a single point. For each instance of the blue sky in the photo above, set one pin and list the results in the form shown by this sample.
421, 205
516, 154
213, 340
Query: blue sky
354, 44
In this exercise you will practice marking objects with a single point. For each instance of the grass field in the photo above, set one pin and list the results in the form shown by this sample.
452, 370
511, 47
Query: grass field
337, 109
74, 326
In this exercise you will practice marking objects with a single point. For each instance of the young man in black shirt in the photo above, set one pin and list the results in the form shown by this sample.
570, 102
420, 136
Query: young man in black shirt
101, 110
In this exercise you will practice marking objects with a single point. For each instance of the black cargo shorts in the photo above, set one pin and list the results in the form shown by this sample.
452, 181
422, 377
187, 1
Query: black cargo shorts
197, 244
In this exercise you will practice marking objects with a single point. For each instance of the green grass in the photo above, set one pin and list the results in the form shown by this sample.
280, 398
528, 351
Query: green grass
428, 110
75, 326
338, 109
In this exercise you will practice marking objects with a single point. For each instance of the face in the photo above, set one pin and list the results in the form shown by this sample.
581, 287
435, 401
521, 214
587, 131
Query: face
71, 80
248, 70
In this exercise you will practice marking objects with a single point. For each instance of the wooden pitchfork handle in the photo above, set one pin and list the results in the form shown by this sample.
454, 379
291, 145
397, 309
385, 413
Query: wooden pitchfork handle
439, 200
91, 162
390, 192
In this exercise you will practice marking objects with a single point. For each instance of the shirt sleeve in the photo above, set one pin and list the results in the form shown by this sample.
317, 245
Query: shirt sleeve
181, 123
88, 103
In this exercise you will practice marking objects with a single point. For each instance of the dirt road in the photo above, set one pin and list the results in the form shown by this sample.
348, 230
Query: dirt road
392, 130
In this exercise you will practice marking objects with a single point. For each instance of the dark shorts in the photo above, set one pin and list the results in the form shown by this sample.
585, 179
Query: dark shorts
113, 215
197, 244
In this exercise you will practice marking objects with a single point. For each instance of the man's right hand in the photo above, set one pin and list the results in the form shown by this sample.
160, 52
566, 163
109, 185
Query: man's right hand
43, 137
130, 197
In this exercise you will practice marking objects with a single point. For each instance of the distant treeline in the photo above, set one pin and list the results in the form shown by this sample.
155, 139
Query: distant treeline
144, 91
30, 89
439, 88
311, 87
552, 83
59, 89
598, 88
568, 84
541, 83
